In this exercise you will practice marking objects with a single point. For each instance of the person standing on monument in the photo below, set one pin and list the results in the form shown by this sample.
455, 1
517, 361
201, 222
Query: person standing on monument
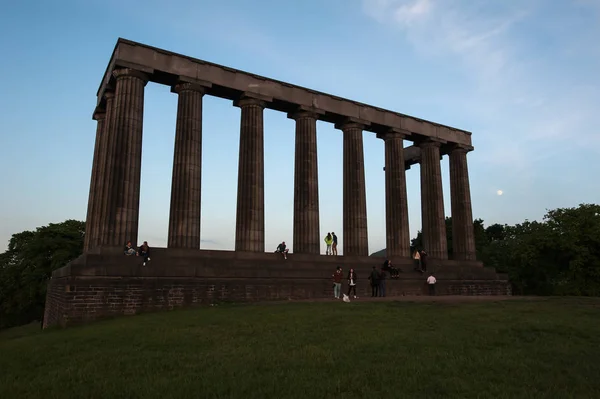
423, 261
337, 282
352, 282
334, 245
417, 258
431, 283
374, 278
328, 242
382, 278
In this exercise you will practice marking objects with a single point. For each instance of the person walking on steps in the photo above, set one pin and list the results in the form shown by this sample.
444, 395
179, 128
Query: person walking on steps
374, 279
334, 245
352, 282
417, 258
431, 283
337, 283
328, 242
423, 261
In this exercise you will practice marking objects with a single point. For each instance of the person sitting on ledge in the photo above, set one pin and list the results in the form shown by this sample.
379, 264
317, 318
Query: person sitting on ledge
144, 251
129, 250
387, 266
282, 250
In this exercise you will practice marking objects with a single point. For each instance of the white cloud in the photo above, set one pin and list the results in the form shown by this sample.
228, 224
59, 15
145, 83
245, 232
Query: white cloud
520, 94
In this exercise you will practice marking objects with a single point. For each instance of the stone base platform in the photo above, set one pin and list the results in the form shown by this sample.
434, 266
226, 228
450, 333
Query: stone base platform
107, 284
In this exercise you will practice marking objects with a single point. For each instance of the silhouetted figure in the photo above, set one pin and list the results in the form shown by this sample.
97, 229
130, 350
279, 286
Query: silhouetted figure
352, 282
281, 248
374, 278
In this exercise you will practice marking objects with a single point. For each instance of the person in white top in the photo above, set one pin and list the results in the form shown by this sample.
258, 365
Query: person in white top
431, 283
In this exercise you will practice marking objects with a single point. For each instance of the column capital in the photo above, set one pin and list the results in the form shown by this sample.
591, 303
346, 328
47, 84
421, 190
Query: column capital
109, 95
124, 72
392, 134
352, 123
455, 147
188, 86
99, 114
429, 142
248, 98
305, 112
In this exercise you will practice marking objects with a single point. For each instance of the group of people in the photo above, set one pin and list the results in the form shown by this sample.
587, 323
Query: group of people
377, 280
331, 241
420, 257
143, 251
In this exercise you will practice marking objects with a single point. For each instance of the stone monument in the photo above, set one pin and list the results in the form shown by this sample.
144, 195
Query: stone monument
103, 282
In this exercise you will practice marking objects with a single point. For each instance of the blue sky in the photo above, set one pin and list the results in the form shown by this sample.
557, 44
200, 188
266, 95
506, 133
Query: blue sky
521, 75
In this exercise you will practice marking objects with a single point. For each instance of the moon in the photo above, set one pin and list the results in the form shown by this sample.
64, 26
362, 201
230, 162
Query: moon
499, 192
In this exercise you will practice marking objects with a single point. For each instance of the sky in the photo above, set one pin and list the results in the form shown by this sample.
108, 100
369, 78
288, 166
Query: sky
521, 75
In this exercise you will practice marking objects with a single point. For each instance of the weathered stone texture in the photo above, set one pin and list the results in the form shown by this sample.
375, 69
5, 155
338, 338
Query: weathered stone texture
432, 201
355, 239
250, 217
104, 285
396, 201
91, 221
306, 185
463, 235
184, 219
126, 151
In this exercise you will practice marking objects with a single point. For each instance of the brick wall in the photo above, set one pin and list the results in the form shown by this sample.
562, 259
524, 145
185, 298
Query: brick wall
75, 300
108, 284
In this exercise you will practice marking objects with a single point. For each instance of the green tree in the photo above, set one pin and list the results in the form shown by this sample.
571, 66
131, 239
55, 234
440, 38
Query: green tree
27, 265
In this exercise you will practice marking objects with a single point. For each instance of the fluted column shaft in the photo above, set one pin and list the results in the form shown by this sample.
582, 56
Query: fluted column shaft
432, 201
250, 217
184, 219
356, 241
125, 151
306, 185
91, 230
463, 235
396, 201
106, 155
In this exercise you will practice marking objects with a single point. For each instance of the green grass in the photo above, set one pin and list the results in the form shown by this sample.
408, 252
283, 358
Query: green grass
513, 349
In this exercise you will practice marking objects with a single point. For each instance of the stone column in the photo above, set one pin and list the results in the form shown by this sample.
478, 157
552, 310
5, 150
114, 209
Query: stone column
105, 172
306, 185
463, 235
125, 157
356, 241
91, 230
184, 219
396, 201
432, 201
250, 218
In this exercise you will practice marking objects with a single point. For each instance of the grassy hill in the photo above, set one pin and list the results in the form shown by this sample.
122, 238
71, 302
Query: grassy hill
509, 349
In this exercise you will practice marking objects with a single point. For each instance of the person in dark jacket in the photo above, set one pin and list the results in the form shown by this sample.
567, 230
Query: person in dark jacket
423, 261
382, 278
374, 278
282, 249
144, 251
334, 244
129, 250
387, 266
337, 282
352, 282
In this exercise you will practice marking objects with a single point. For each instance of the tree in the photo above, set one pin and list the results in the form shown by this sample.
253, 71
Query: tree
27, 265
